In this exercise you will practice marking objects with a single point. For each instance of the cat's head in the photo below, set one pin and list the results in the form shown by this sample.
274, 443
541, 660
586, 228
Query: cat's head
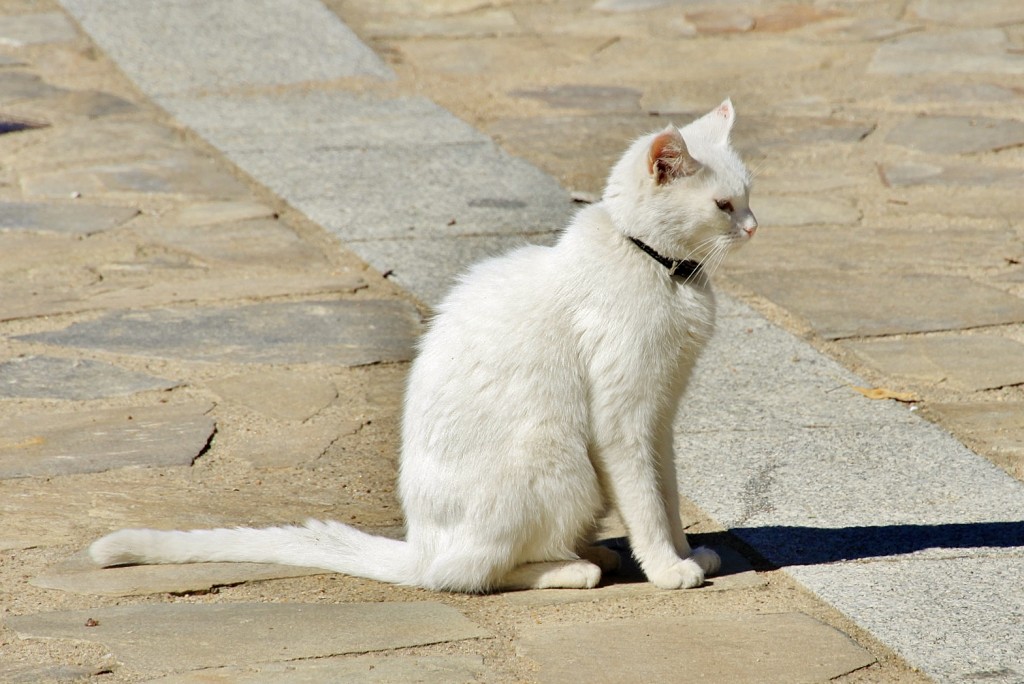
685, 192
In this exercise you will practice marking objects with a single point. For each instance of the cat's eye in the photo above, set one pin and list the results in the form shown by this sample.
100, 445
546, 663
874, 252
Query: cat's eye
724, 205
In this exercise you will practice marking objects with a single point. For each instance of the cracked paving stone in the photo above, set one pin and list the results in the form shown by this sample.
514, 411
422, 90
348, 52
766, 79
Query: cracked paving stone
70, 219
295, 446
740, 648
182, 637
967, 362
280, 394
49, 377
95, 441
348, 333
849, 304
80, 575
33, 674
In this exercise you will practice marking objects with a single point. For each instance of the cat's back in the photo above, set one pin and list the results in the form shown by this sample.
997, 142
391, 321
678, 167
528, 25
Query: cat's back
512, 294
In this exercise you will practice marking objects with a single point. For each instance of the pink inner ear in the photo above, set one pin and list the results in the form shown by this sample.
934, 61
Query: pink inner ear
667, 145
725, 110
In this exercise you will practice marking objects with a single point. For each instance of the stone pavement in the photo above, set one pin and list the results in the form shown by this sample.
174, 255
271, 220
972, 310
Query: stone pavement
159, 262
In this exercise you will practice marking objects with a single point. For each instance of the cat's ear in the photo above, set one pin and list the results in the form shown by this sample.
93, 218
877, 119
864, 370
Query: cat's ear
718, 122
668, 157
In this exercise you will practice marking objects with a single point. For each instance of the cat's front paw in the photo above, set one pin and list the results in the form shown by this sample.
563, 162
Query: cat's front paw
685, 574
708, 560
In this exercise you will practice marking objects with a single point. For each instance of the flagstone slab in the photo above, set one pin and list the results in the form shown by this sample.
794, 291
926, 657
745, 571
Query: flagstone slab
175, 174
98, 141
982, 50
254, 241
908, 242
968, 362
348, 333
957, 134
998, 426
839, 304
11, 61
52, 377
207, 213
17, 86
987, 13
34, 674
69, 219
181, 637
95, 104
786, 648
876, 28
955, 174
280, 394
79, 575
781, 210
959, 93
586, 97
484, 23
94, 441
19, 30
31, 300
294, 445
368, 669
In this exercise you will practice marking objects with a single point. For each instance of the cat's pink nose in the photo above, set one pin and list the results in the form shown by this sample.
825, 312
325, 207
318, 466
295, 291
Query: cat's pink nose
749, 224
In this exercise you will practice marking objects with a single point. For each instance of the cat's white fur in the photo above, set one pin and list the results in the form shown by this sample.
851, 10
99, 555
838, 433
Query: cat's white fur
543, 395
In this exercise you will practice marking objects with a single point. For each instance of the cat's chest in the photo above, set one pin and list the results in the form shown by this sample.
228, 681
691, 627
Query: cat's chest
683, 312
657, 325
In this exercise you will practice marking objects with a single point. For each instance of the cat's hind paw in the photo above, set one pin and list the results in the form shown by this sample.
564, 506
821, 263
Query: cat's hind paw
575, 574
603, 557
709, 561
686, 574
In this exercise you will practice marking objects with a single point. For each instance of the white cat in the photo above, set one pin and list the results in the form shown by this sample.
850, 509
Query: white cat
543, 394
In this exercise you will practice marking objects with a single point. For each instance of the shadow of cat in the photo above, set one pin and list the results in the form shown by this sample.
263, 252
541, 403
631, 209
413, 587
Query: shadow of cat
777, 546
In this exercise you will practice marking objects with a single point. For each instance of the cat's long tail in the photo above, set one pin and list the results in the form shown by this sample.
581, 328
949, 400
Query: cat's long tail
328, 545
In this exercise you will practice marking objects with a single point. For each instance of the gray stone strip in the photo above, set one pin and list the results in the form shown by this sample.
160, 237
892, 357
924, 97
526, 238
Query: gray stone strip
882, 514
195, 45
375, 171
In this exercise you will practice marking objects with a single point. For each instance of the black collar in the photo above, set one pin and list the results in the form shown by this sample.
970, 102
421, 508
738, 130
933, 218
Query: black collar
680, 268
